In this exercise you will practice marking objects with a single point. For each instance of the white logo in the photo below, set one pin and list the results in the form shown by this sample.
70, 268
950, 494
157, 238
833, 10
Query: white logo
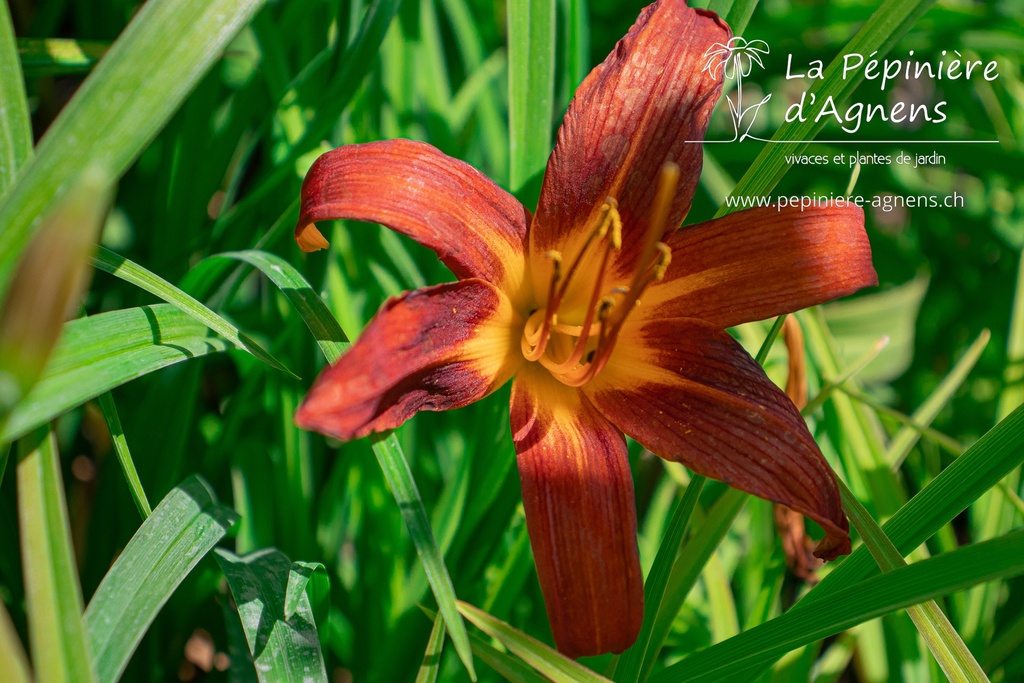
736, 59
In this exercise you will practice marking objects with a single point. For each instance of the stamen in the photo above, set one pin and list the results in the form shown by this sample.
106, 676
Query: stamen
584, 357
609, 218
668, 182
595, 297
535, 341
652, 264
662, 262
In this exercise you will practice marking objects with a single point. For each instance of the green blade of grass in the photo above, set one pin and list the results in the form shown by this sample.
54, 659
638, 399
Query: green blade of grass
998, 452
5, 453
332, 341
49, 281
318, 318
282, 649
577, 43
945, 643
431, 665
121, 106
531, 83
104, 351
634, 659
124, 456
879, 34
307, 579
475, 89
547, 661
904, 441
133, 273
736, 13
852, 605
512, 669
53, 597
59, 56
15, 125
509, 667
695, 554
493, 127
399, 477
991, 516
830, 384
13, 660
183, 528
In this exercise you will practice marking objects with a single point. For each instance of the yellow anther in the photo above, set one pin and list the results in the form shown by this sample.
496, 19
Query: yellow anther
616, 230
604, 219
662, 261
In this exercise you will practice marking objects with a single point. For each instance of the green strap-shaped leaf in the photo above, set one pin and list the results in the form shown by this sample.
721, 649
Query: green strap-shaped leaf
124, 456
282, 649
122, 105
431, 665
15, 125
998, 452
186, 524
689, 565
51, 277
13, 660
509, 667
735, 12
318, 318
747, 652
131, 272
907, 437
531, 83
53, 597
634, 659
399, 477
104, 351
307, 579
332, 341
946, 645
541, 657
59, 56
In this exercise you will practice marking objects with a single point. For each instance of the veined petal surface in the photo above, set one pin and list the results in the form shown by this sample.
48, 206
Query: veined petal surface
649, 102
476, 228
688, 392
437, 348
755, 264
580, 512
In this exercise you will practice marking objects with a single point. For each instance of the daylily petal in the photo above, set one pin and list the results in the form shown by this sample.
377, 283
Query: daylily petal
688, 392
644, 105
755, 264
476, 228
580, 512
432, 349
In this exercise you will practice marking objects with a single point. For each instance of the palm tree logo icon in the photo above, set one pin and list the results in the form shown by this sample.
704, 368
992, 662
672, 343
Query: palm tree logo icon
736, 59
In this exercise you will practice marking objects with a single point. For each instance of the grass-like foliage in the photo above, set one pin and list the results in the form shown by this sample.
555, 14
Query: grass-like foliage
163, 518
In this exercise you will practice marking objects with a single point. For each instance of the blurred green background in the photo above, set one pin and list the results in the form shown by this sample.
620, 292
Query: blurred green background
309, 75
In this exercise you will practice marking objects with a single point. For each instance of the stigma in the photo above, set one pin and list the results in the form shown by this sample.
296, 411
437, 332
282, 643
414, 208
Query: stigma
576, 350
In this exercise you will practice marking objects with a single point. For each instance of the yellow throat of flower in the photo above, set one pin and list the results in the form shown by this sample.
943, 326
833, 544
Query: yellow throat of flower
576, 353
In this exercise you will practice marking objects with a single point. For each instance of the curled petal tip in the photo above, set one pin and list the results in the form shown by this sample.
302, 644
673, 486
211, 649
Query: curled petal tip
309, 238
835, 544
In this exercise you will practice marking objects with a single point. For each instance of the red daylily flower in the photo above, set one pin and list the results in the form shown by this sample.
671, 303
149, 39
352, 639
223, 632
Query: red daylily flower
611, 321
